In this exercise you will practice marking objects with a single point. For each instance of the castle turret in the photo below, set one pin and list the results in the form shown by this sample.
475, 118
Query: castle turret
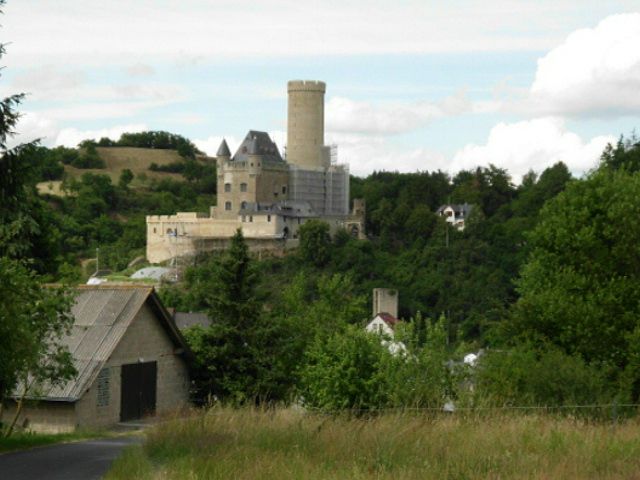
223, 149
305, 124
223, 155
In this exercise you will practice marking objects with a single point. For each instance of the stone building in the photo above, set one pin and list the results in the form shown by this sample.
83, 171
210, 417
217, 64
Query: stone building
264, 194
130, 358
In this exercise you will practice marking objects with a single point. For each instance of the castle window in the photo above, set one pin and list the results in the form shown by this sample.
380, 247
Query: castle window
250, 218
154, 230
284, 189
243, 187
268, 218
227, 187
227, 205
243, 205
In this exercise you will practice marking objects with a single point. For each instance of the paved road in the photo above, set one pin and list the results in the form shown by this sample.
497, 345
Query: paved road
70, 461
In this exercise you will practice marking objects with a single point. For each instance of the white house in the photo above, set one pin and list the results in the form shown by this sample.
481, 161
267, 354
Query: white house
385, 318
455, 214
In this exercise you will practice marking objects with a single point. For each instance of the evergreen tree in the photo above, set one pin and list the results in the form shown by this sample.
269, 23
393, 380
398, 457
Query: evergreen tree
237, 356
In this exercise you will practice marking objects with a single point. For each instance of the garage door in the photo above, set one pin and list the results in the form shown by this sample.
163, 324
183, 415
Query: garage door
138, 390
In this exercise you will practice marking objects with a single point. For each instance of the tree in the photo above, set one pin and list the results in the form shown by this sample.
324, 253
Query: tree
126, 176
236, 357
315, 242
32, 321
580, 288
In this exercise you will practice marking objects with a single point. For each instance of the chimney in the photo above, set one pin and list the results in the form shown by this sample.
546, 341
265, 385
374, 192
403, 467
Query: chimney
385, 300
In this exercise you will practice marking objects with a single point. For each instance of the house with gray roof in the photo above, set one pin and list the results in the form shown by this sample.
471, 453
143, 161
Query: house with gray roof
131, 361
455, 214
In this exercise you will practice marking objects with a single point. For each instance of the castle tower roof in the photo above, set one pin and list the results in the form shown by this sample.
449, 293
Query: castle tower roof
258, 143
252, 148
223, 150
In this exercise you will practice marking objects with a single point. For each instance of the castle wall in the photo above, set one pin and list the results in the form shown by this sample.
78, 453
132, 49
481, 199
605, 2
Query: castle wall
251, 182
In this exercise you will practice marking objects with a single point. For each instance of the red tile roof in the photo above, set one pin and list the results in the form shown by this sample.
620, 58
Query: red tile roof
388, 318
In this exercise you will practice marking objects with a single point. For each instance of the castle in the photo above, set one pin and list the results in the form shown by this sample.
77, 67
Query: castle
266, 196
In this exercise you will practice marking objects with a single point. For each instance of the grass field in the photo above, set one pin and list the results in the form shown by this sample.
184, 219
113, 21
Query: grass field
288, 444
137, 160
117, 159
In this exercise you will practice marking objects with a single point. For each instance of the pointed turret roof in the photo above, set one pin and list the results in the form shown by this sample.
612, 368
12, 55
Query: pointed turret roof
223, 149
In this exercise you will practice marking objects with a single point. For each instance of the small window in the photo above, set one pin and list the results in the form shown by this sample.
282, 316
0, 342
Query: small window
243, 187
227, 187
243, 205
284, 189
154, 229
227, 205
268, 218
251, 218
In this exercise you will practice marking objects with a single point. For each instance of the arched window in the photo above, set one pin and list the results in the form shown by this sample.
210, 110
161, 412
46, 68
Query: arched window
243, 205
227, 205
227, 187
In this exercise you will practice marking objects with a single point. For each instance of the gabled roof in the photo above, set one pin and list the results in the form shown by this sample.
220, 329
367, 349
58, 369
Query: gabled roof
387, 318
257, 143
102, 314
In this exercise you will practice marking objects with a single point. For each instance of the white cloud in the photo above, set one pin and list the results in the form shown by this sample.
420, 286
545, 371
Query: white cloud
70, 137
367, 153
36, 125
32, 126
532, 144
125, 32
344, 115
594, 71
210, 144
140, 70
54, 84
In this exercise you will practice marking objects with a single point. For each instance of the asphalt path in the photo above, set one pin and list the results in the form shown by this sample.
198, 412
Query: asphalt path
85, 460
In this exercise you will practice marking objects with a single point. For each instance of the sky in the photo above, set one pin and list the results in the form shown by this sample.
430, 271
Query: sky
411, 85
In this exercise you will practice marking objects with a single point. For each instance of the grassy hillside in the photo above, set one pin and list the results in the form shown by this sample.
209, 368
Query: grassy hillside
291, 444
137, 160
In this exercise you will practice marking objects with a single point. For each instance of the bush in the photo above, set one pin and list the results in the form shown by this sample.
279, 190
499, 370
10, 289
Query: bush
346, 371
529, 375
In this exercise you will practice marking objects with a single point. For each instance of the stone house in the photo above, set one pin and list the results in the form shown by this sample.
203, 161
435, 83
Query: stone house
131, 361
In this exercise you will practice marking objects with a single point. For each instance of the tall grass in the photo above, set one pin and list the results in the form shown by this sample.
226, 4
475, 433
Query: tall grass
289, 444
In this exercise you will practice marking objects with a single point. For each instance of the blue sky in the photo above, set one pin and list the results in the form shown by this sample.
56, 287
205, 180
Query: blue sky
411, 85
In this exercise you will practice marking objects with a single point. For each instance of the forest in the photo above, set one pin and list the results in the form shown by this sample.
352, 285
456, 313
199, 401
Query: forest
543, 274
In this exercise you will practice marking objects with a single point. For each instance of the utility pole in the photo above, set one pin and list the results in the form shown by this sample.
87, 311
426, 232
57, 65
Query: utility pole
446, 235
97, 260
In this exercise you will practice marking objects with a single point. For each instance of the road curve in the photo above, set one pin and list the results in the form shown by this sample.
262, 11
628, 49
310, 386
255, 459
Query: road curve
87, 460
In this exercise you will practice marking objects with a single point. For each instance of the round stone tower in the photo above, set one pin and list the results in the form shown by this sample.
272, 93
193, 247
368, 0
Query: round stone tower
305, 124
